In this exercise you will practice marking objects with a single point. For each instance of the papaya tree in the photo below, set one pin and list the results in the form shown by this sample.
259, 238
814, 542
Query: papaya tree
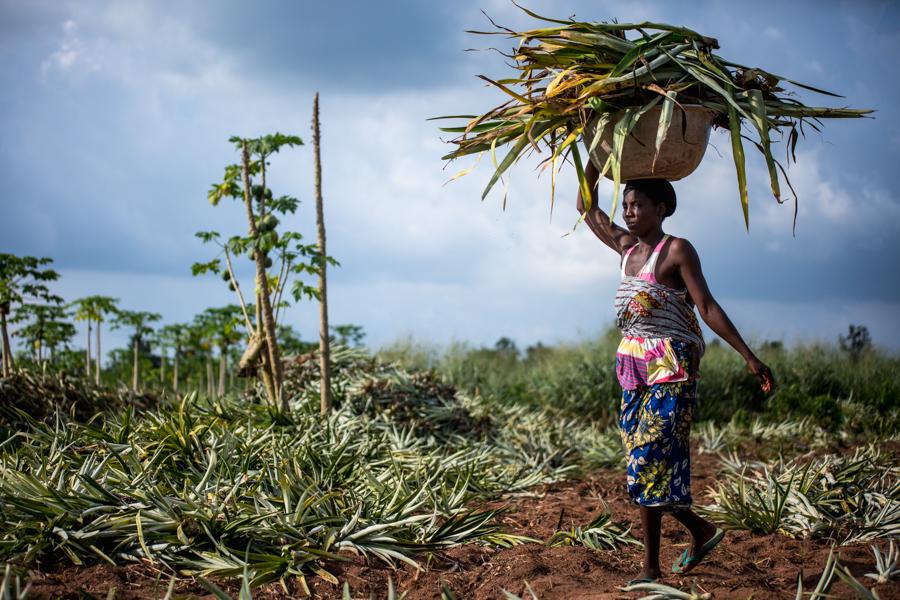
278, 256
324, 355
290, 342
348, 334
138, 321
202, 336
94, 309
222, 328
57, 335
226, 322
172, 336
43, 327
194, 356
22, 279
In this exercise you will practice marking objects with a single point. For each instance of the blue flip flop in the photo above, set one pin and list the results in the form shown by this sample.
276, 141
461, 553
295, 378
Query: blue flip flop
640, 580
686, 563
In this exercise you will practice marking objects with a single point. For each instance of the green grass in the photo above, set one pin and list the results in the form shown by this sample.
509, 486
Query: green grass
817, 380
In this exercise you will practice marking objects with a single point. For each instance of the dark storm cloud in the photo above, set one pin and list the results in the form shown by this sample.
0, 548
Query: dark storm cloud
342, 45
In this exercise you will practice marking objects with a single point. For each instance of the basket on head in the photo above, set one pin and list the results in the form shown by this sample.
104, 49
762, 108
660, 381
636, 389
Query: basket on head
680, 153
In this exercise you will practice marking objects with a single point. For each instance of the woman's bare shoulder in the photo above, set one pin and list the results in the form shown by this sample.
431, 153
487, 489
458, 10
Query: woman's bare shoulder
680, 249
680, 245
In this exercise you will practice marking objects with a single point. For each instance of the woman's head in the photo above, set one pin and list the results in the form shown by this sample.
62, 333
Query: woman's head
646, 202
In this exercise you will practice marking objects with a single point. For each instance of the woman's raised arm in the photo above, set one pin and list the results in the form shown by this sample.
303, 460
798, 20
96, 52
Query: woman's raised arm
598, 221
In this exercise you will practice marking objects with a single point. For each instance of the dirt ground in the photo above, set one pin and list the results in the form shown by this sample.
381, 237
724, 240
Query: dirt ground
743, 566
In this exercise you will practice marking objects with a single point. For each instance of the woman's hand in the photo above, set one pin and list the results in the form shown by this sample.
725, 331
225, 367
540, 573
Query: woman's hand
762, 372
598, 221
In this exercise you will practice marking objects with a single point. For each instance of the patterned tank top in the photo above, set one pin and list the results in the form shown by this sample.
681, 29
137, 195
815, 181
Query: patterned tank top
658, 328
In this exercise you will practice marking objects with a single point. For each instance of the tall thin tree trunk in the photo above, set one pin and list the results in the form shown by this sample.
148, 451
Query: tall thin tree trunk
97, 365
7, 351
87, 353
175, 370
262, 282
209, 376
263, 369
162, 368
134, 368
223, 359
324, 353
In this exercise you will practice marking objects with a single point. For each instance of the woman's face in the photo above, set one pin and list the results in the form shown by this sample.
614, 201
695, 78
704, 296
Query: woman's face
641, 214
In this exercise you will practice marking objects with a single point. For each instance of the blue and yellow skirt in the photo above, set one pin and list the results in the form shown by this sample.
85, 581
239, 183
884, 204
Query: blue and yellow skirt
655, 424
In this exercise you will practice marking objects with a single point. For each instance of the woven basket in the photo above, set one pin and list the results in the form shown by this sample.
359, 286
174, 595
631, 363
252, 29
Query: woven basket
678, 156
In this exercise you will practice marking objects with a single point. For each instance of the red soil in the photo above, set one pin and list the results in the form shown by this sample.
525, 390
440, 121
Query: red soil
743, 566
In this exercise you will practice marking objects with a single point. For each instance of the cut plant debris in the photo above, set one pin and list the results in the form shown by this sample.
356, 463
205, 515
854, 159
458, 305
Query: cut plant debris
591, 83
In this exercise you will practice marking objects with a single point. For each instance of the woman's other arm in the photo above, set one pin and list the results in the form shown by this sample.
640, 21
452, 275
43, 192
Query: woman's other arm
598, 221
685, 256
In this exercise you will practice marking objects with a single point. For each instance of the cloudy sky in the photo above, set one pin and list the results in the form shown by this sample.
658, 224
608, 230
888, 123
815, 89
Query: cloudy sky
116, 116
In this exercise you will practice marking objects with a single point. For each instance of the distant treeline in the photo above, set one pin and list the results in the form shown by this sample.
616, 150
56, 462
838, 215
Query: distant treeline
832, 383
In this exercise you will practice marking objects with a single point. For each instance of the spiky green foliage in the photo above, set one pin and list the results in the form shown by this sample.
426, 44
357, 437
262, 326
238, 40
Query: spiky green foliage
12, 587
661, 591
228, 486
602, 533
772, 436
834, 567
844, 498
572, 72
887, 565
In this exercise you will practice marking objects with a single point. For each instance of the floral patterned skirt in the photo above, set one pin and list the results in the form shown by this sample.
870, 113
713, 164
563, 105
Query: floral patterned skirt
655, 424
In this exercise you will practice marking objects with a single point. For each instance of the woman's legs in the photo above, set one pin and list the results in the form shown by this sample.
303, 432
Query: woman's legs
701, 529
651, 520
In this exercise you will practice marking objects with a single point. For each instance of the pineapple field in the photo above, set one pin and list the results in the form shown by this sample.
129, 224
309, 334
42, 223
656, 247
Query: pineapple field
437, 482
175, 424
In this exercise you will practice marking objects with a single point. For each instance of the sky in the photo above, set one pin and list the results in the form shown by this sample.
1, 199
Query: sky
116, 118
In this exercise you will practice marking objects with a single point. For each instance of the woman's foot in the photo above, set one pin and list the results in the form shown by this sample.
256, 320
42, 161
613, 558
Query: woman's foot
703, 545
705, 535
646, 576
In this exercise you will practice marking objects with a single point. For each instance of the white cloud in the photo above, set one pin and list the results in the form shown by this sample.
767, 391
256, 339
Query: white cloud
420, 257
69, 51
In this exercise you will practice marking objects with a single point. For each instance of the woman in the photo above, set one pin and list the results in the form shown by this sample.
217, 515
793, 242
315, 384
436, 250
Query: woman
658, 358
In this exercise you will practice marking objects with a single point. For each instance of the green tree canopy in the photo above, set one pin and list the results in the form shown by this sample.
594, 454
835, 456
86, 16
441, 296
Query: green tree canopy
138, 321
22, 279
43, 326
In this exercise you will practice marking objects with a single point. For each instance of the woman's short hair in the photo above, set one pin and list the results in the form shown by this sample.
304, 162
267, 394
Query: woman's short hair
658, 190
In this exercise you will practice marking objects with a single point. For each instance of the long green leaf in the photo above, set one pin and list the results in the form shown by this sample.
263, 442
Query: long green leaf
507, 161
586, 197
640, 49
758, 110
737, 150
620, 130
665, 119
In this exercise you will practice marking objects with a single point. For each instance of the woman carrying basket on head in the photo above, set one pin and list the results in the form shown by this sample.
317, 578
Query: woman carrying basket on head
657, 361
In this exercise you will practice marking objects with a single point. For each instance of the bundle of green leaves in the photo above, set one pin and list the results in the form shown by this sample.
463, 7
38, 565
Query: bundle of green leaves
573, 73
